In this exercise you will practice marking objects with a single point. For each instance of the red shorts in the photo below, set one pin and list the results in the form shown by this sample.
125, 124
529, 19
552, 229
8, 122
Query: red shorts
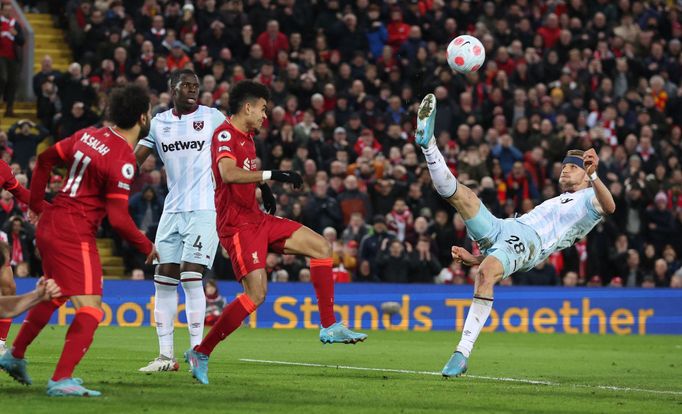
249, 246
73, 262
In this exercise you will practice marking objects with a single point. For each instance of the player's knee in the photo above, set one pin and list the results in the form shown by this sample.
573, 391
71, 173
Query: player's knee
257, 297
485, 277
323, 249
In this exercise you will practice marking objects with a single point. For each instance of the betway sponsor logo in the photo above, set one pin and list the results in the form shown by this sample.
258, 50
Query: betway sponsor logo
182, 145
94, 143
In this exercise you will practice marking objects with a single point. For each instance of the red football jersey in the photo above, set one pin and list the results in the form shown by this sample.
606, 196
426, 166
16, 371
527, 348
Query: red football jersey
7, 180
100, 166
235, 204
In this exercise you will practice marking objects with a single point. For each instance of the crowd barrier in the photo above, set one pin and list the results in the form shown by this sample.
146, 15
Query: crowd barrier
421, 308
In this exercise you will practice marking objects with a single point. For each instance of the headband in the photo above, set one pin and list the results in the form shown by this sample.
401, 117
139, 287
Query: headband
572, 159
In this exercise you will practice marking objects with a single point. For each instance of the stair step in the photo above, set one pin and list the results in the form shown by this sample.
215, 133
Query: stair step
22, 105
14, 119
111, 261
55, 53
47, 29
39, 17
105, 243
115, 277
106, 251
59, 66
113, 270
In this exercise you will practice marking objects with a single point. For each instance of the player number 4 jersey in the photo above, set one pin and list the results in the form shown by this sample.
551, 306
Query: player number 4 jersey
184, 145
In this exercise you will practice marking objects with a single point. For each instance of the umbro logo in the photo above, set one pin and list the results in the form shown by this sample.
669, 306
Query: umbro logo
566, 200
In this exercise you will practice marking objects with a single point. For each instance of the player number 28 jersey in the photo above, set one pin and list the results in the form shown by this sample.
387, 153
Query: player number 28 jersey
184, 145
562, 220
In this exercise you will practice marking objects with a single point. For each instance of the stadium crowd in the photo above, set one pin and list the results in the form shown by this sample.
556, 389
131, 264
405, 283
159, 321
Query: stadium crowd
346, 78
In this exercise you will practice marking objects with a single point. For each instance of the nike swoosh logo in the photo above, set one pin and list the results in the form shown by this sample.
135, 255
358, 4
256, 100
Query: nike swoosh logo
242, 143
566, 200
466, 43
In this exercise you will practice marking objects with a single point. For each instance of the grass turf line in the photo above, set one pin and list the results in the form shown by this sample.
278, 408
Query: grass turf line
111, 365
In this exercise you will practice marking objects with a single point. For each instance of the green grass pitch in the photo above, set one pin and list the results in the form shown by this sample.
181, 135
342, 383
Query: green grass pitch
579, 369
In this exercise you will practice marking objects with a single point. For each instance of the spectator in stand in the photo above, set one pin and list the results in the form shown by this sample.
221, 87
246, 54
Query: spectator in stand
25, 141
393, 263
272, 41
11, 50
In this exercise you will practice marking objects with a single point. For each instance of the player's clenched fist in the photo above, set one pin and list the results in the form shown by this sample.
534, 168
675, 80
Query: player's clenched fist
47, 289
591, 161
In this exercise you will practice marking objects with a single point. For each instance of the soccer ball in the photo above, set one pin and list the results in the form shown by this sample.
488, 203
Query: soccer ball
465, 54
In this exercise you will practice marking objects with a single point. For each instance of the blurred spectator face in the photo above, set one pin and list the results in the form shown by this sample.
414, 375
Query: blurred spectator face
676, 281
399, 206
17, 225
157, 22
304, 275
256, 52
96, 17
421, 225
616, 282
570, 279
329, 233
206, 99
272, 260
310, 168
22, 270
75, 70
633, 259
161, 64
78, 109
518, 172
120, 55
281, 276
648, 282
351, 183
660, 268
396, 248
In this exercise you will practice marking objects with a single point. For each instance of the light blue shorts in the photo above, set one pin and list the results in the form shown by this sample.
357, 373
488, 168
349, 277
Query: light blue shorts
513, 243
187, 237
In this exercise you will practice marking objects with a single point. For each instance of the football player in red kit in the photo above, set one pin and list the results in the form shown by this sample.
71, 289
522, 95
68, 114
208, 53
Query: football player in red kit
247, 233
7, 285
101, 166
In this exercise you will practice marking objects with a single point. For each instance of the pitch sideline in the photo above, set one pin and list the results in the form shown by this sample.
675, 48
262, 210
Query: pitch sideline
482, 377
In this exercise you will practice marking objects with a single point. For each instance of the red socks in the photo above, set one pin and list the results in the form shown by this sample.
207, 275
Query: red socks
231, 318
5, 324
78, 340
323, 282
35, 321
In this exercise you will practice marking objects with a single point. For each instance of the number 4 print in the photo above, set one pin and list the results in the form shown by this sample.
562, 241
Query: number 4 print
197, 243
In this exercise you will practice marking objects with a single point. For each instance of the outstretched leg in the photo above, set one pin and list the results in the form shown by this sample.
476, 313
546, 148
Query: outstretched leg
308, 243
480, 224
458, 195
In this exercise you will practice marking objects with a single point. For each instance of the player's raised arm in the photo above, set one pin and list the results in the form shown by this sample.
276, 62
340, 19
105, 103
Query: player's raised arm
603, 197
52, 156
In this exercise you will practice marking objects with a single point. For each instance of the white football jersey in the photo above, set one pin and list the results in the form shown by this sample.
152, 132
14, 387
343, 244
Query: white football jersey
562, 220
184, 145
